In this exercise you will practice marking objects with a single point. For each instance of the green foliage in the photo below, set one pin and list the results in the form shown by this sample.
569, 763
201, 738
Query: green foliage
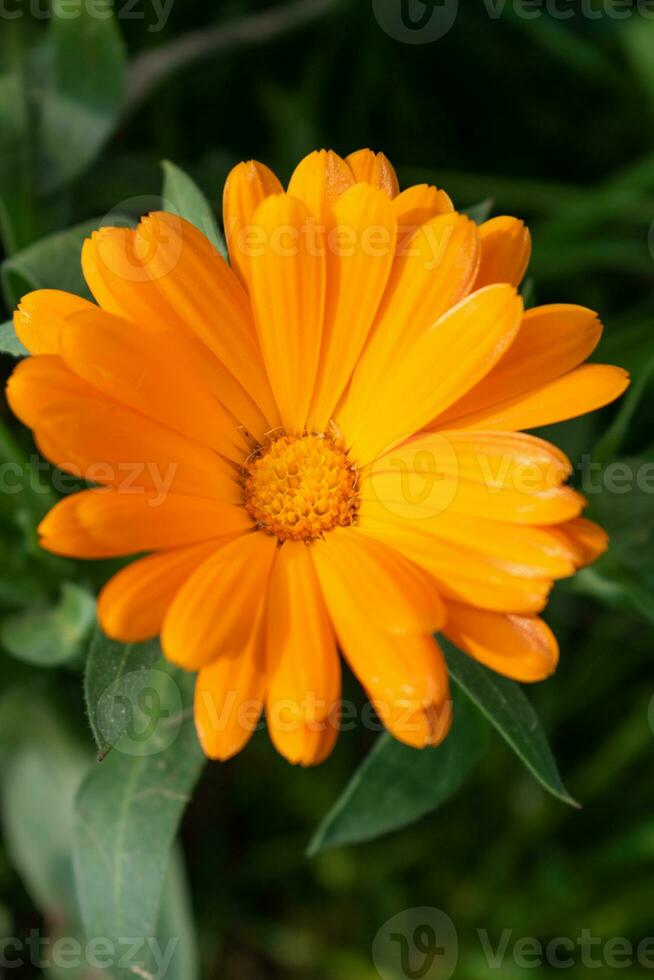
396, 785
127, 813
9, 342
113, 678
182, 196
51, 637
506, 707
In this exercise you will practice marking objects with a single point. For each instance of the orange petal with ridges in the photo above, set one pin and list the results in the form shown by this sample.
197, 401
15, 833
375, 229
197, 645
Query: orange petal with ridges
40, 316
552, 340
434, 272
462, 575
288, 295
520, 647
505, 251
247, 185
160, 374
591, 539
416, 205
495, 476
390, 590
580, 391
404, 675
82, 431
319, 180
438, 368
374, 168
229, 696
215, 611
117, 524
167, 273
356, 278
302, 664
296, 623
133, 603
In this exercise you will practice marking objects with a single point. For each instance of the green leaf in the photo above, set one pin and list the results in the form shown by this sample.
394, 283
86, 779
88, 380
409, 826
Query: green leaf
9, 342
127, 813
396, 785
480, 212
621, 501
176, 922
115, 675
504, 704
41, 777
50, 637
50, 263
182, 196
82, 89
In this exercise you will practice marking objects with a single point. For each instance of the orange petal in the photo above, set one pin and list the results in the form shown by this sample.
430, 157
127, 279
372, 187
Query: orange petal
438, 368
521, 647
467, 576
591, 539
288, 295
247, 185
215, 611
390, 590
319, 180
302, 665
40, 315
433, 273
405, 676
495, 476
229, 697
132, 605
357, 273
582, 390
167, 273
158, 373
374, 168
114, 524
416, 205
552, 340
505, 251
535, 552
82, 431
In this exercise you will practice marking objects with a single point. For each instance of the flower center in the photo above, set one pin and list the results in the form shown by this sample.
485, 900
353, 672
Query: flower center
298, 487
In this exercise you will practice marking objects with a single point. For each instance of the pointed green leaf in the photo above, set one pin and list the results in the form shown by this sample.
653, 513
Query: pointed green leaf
9, 342
53, 262
115, 675
396, 785
506, 707
480, 212
42, 775
182, 196
127, 813
82, 91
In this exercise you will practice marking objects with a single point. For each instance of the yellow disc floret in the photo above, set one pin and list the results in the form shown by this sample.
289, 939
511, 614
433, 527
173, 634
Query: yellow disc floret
298, 487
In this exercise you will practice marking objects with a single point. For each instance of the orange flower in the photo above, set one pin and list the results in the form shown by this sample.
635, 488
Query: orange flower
320, 446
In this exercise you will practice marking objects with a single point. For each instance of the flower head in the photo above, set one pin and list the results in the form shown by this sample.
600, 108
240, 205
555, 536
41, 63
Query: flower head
318, 446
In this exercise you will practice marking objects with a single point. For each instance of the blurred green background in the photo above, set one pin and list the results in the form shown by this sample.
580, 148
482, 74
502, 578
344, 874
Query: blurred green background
553, 119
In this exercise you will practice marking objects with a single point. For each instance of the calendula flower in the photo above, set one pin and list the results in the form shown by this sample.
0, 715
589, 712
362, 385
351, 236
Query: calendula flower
318, 446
